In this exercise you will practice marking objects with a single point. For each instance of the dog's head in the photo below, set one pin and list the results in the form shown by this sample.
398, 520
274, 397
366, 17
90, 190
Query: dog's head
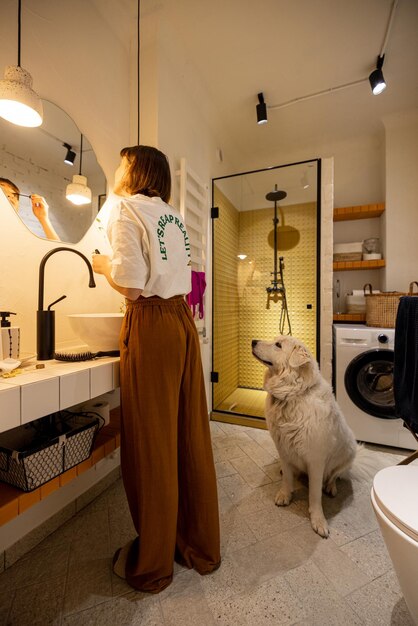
291, 367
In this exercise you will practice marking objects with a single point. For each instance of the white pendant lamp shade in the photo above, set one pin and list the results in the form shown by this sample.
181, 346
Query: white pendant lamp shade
19, 104
77, 192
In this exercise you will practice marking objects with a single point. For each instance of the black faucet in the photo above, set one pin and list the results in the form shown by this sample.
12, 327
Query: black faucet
45, 320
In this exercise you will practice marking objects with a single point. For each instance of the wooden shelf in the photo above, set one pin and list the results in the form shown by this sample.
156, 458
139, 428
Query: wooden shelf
14, 501
361, 212
344, 266
349, 317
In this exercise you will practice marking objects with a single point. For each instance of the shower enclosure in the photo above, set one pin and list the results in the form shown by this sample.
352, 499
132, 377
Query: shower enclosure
265, 251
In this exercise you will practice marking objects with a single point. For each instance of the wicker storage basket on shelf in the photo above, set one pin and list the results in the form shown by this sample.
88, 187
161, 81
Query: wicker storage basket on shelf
381, 308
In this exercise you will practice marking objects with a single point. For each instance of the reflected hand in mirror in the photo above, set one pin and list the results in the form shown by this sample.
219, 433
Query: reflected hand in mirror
40, 211
33, 160
39, 207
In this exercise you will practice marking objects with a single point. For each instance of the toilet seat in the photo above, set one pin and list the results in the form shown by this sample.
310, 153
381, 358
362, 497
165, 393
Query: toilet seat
395, 491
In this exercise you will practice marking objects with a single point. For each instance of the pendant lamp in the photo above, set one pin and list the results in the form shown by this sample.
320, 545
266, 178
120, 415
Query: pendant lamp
78, 192
19, 104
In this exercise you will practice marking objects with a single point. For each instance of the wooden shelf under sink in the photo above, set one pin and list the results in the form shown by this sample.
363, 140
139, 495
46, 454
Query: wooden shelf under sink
14, 501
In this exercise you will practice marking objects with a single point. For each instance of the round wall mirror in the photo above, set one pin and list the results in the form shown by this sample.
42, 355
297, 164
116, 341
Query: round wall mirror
33, 159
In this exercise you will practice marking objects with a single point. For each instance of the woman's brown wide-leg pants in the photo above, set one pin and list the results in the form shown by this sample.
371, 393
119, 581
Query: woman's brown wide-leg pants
166, 454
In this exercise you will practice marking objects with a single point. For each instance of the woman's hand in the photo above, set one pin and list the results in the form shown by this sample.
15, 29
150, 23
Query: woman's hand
39, 207
101, 264
40, 210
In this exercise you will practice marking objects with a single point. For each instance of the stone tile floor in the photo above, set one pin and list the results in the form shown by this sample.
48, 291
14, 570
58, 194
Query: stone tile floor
275, 569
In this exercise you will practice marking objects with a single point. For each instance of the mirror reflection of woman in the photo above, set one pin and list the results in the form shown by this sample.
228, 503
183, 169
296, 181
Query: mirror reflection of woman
166, 454
39, 207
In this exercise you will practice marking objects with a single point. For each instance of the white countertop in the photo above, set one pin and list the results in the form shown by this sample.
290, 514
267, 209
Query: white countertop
59, 385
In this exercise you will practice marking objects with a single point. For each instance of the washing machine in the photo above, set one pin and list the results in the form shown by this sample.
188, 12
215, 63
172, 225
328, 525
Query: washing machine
363, 383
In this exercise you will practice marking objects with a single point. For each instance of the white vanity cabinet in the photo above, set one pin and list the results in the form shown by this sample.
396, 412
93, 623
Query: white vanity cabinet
31, 516
39, 392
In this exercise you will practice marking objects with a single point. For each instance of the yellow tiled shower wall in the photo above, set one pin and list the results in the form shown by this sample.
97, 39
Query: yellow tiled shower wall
225, 295
297, 225
240, 295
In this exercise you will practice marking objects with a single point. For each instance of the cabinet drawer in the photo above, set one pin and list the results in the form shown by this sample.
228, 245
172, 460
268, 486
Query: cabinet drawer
101, 379
74, 388
9, 407
39, 399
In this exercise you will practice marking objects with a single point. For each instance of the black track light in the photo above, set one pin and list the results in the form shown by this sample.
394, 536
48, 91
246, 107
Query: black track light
377, 81
70, 156
261, 110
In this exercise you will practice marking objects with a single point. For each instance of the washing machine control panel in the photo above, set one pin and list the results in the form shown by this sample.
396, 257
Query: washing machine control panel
382, 338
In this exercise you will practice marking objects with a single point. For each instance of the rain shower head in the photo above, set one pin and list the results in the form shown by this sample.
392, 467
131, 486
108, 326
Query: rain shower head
276, 195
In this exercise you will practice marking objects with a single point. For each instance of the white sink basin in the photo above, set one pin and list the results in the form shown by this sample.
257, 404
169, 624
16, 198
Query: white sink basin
100, 331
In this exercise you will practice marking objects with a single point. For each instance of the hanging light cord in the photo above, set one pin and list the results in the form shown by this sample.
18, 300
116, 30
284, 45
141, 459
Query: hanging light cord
138, 51
81, 154
19, 27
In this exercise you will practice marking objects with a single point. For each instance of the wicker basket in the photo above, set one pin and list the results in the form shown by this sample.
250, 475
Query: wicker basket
381, 308
30, 457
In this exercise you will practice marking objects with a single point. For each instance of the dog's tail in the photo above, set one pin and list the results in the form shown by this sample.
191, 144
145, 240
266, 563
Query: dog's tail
367, 463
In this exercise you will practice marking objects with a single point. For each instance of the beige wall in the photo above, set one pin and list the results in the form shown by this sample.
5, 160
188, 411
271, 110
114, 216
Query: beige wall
87, 75
401, 215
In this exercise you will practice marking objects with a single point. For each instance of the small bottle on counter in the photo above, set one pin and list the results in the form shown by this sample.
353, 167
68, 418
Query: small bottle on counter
9, 338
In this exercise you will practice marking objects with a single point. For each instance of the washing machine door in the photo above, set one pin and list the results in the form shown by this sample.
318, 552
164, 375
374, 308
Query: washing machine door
369, 383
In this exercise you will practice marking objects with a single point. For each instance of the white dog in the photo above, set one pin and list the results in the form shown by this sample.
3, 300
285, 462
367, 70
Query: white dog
305, 422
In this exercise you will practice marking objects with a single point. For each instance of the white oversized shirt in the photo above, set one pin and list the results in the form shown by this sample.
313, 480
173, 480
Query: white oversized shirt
151, 248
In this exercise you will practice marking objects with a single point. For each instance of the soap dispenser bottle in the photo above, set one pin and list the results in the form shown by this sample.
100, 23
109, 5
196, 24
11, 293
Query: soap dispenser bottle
10, 337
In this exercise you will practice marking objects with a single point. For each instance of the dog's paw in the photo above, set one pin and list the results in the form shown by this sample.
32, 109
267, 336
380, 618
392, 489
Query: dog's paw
320, 526
282, 498
331, 489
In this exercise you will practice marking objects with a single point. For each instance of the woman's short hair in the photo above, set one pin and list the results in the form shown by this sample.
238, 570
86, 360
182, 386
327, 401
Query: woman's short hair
148, 172
12, 185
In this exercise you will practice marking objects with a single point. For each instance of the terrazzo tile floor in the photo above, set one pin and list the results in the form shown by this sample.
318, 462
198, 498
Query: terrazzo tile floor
275, 569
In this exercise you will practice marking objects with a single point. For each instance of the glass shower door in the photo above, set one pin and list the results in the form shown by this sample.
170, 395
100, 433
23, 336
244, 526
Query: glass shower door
265, 278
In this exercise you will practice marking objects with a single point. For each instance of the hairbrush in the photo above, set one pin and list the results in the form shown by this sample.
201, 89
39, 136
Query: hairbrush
83, 356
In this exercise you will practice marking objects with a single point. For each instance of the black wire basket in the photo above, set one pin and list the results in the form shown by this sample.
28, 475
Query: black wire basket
33, 454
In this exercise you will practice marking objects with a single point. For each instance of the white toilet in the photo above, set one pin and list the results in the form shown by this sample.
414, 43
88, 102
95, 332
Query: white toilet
395, 502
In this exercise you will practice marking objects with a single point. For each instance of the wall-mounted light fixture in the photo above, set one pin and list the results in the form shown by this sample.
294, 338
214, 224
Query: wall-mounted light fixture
70, 155
261, 109
242, 257
77, 191
377, 81
19, 104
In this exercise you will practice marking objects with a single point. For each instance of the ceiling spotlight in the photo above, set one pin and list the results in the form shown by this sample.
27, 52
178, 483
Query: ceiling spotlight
19, 104
261, 110
70, 156
77, 191
377, 82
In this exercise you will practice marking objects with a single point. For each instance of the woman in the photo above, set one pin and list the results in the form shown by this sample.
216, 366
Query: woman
39, 207
166, 454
